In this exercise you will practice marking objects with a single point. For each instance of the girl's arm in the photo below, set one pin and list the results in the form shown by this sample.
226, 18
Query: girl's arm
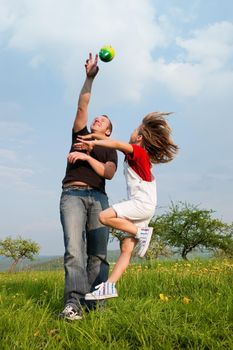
115, 144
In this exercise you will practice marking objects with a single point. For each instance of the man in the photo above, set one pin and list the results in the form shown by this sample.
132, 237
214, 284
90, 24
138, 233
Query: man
83, 198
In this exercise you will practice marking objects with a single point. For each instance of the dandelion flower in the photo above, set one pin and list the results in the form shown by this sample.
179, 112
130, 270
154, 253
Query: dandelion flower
186, 300
163, 297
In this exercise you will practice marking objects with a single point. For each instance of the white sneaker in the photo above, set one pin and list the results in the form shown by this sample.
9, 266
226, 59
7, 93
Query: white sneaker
69, 313
105, 290
144, 241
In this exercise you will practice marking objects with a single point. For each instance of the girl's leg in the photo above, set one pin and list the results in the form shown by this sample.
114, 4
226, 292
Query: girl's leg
108, 217
122, 263
108, 290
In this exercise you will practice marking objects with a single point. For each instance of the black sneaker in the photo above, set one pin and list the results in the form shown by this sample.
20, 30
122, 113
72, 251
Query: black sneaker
69, 313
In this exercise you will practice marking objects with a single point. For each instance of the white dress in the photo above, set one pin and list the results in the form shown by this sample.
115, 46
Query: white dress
142, 199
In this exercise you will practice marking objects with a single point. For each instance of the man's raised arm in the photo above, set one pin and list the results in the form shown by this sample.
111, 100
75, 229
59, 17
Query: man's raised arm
84, 98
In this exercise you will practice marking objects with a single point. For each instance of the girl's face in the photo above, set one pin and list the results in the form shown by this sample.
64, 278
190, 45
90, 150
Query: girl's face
135, 137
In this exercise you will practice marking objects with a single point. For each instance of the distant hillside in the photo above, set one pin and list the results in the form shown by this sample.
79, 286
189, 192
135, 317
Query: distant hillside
56, 263
53, 264
25, 264
49, 263
46, 263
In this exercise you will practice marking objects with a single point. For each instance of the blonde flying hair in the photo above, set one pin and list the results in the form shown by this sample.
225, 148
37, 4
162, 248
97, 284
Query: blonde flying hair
156, 134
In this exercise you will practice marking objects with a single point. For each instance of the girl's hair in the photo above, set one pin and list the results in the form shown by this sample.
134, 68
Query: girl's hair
157, 140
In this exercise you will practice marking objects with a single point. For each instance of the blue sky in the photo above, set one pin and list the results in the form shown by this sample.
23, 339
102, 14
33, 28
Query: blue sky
170, 56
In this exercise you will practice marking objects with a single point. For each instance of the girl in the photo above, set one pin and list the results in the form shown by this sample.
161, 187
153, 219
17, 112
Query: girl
149, 143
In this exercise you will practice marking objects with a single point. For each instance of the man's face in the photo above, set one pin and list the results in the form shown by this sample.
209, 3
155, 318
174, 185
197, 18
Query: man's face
101, 125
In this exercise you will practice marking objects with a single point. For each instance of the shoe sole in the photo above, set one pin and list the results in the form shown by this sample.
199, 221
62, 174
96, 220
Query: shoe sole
100, 297
63, 317
73, 318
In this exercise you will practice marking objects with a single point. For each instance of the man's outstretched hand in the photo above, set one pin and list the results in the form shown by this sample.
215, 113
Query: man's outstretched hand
91, 66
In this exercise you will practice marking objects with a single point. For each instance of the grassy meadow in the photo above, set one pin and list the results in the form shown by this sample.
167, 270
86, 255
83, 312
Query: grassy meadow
167, 305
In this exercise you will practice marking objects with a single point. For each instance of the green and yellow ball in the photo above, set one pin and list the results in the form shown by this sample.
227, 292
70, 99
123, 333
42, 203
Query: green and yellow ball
106, 53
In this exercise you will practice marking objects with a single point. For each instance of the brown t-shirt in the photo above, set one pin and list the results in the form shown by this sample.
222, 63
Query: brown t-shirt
82, 171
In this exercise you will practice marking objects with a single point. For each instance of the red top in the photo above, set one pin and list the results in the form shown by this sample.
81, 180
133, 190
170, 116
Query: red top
139, 161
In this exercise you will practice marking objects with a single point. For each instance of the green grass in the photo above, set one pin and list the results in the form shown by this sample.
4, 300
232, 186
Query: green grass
171, 305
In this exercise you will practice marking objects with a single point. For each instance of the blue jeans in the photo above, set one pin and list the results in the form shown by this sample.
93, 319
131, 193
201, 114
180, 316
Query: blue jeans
85, 240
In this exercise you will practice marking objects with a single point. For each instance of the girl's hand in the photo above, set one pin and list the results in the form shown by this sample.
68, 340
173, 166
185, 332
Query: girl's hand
92, 136
84, 145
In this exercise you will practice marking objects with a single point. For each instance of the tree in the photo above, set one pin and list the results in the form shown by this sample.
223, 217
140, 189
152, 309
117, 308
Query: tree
225, 249
18, 249
187, 227
158, 248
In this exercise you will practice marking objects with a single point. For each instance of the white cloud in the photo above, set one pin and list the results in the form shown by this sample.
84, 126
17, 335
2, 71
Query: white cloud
13, 176
204, 62
74, 24
7, 155
183, 14
12, 128
7, 15
211, 46
22, 180
15, 135
182, 79
36, 61
63, 38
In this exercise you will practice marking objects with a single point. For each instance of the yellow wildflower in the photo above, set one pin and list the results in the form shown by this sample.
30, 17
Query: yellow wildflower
53, 332
163, 297
186, 300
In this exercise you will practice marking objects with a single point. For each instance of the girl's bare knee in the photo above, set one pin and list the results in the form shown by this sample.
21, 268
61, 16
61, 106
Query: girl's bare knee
126, 251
